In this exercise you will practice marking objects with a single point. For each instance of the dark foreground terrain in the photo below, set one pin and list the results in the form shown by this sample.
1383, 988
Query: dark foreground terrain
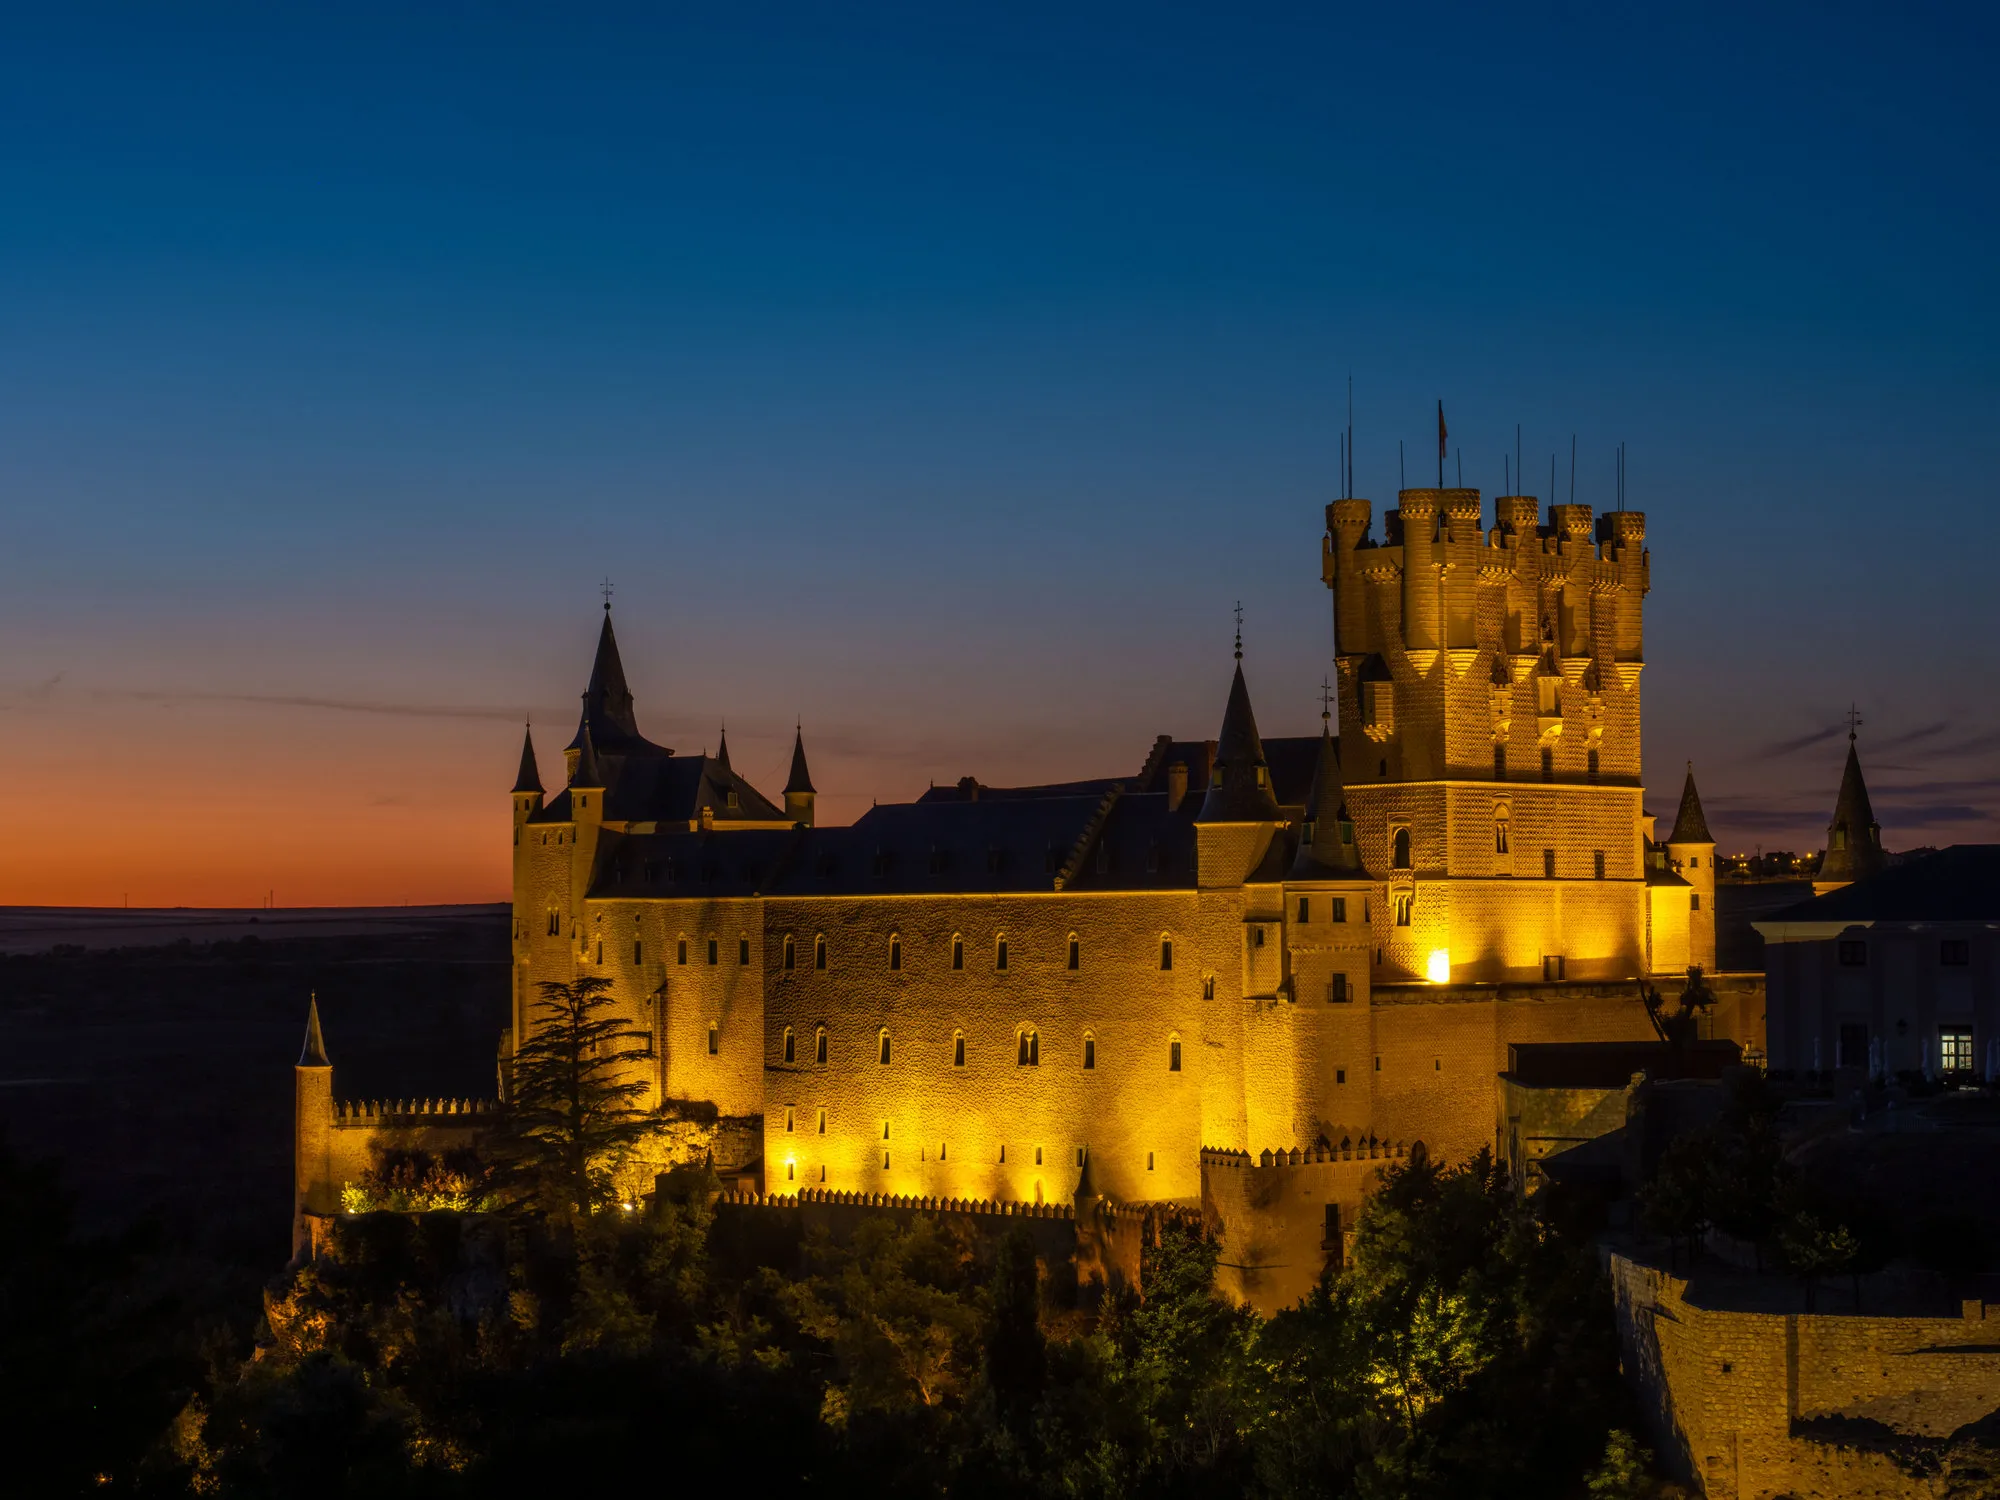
150, 1054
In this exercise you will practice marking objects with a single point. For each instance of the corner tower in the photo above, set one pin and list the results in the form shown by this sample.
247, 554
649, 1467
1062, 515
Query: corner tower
1691, 852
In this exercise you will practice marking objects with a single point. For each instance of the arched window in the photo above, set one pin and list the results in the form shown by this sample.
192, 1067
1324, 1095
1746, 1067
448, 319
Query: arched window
1173, 1054
681, 949
882, 1039
819, 950
791, 953
1208, 987
1399, 856
1000, 953
895, 953
819, 1047
1089, 1052
958, 1049
1027, 1048
555, 923
957, 951
1166, 952
1500, 829
714, 1038
791, 1045
1075, 959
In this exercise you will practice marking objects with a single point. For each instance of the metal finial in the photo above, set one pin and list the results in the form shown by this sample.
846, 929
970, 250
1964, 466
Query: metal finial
1854, 721
1239, 630
605, 589
1325, 701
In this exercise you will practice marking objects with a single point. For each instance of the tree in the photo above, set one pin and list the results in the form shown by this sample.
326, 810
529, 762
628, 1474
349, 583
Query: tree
572, 1111
1622, 1475
1016, 1354
1811, 1248
1679, 1201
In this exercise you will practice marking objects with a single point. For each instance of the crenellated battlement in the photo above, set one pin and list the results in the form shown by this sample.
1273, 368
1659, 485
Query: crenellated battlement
1002, 1207
369, 1112
1368, 1148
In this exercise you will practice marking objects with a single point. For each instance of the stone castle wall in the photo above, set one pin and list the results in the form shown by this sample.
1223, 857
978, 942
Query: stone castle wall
1753, 1405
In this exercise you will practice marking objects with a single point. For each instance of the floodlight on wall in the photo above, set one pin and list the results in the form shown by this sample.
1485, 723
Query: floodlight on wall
1437, 968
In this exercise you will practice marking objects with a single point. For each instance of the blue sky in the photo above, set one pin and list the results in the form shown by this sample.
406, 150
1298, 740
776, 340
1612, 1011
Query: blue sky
943, 375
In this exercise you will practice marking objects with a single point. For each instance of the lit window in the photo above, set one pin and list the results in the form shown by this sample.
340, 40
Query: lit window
883, 1039
1174, 1055
1075, 959
714, 1038
895, 953
791, 1044
958, 1049
1089, 1052
1955, 1049
819, 1047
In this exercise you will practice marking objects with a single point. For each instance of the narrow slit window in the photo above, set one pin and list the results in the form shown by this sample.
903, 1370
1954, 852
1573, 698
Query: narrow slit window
957, 951
1075, 958
1089, 1052
791, 1045
638, 952
895, 953
1000, 954
743, 952
714, 1038
819, 1125
819, 951
791, 953
883, 1041
714, 952
1174, 1055
1166, 954
958, 1049
819, 1047
681, 951
1028, 1049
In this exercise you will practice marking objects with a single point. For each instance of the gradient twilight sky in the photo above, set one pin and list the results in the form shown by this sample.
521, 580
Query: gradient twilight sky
942, 375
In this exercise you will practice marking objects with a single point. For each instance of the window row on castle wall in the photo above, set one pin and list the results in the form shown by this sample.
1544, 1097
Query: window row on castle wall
1027, 1048
892, 953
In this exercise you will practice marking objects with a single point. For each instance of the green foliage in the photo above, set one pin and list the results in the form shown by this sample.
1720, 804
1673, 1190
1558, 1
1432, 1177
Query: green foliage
1622, 1475
411, 1180
572, 1111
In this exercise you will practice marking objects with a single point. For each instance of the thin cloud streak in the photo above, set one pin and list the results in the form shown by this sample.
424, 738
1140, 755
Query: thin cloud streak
338, 705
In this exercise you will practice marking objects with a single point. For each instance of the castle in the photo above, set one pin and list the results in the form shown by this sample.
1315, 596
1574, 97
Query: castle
1291, 954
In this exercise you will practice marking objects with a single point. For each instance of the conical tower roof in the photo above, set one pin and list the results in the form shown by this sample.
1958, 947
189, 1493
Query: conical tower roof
588, 772
1240, 789
1322, 852
800, 780
722, 750
528, 778
1853, 838
313, 1054
1690, 826
607, 702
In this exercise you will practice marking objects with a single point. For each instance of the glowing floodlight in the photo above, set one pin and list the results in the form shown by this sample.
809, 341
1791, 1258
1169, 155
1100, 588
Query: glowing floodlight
1437, 969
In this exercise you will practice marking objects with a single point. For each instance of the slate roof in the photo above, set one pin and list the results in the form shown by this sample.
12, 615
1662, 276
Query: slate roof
1325, 854
1690, 826
993, 847
1237, 793
800, 779
1860, 853
528, 778
1958, 884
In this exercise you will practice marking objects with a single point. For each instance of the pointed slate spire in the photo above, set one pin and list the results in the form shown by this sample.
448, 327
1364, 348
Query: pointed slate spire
1853, 838
1327, 847
1690, 825
1240, 789
528, 778
607, 702
800, 780
722, 750
313, 1054
588, 773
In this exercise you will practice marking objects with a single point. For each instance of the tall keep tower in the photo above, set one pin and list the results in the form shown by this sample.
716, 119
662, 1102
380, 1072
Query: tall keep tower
1489, 731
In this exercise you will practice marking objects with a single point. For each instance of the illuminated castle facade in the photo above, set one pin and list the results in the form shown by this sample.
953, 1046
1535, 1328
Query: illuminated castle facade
1240, 944
1308, 951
